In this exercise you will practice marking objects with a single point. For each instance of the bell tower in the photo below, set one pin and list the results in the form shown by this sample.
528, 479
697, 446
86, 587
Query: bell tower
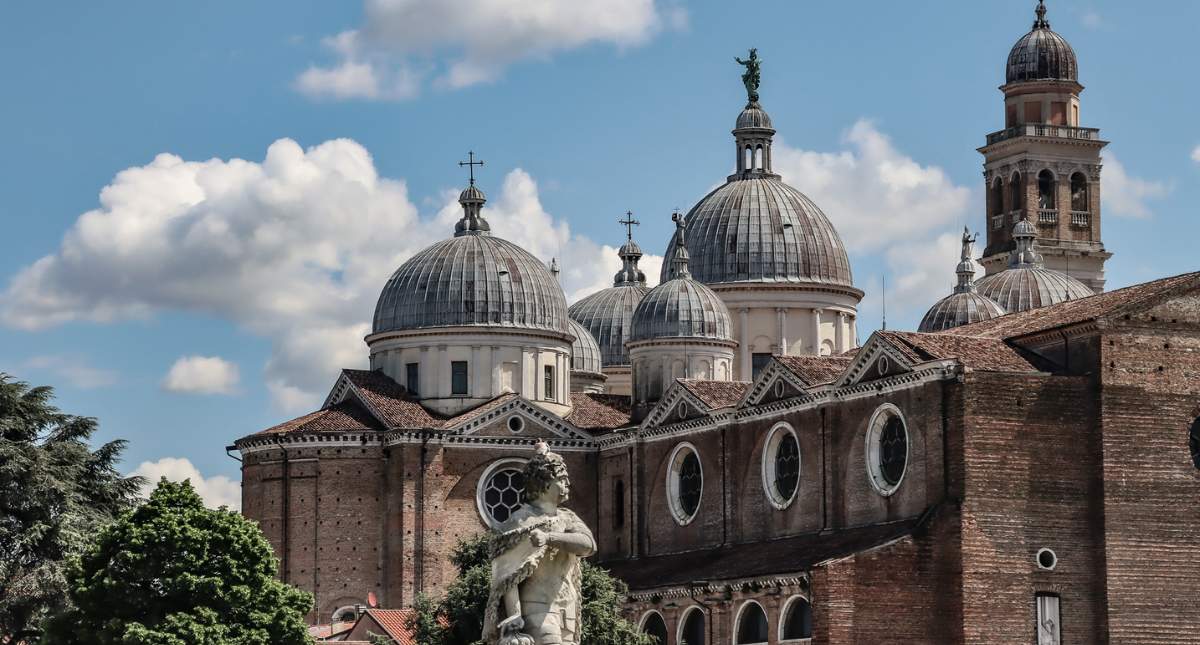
1044, 166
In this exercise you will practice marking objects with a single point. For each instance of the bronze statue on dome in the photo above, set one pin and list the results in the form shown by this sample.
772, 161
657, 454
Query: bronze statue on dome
753, 74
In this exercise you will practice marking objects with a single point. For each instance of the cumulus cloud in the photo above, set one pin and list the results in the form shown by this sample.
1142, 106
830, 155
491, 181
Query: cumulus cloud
1196, 154
1124, 195
885, 203
202, 375
217, 491
1092, 20
294, 249
74, 369
458, 43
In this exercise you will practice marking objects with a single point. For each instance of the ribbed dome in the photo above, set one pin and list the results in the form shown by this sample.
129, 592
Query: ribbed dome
1042, 55
959, 309
759, 229
754, 117
585, 352
472, 280
1029, 287
681, 308
608, 315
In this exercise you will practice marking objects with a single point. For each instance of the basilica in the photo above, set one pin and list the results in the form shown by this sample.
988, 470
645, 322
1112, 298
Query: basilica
1023, 468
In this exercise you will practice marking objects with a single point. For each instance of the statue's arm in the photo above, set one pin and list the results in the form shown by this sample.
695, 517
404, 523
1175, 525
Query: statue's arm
512, 603
579, 544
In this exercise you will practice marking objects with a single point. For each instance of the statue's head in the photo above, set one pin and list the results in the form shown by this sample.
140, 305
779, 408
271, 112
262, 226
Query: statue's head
753, 53
546, 475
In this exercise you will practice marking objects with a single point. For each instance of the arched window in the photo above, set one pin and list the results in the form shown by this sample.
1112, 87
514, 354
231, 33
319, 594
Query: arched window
691, 629
347, 614
748, 158
501, 491
781, 465
996, 196
1046, 186
797, 620
1017, 190
758, 157
655, 627
1079, 192
685, 483
887, 449
1194, 442
752, 625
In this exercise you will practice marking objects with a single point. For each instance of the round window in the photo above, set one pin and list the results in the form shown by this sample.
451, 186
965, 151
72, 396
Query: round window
779, 389
781, 465
887, 449
516, 424
1046, 559
501, 491
685, 483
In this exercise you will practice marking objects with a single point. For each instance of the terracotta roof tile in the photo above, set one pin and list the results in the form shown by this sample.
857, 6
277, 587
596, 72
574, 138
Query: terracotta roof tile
766, 557
395, 623
347, 415
716, 394
480, 409
599, 411
816, 370
991, 354
1075, 311
398, 407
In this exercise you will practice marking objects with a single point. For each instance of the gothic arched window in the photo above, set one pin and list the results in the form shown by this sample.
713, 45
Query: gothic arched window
752, 625
692, 631
1079, 193
1046, 186
655, 627
797, 620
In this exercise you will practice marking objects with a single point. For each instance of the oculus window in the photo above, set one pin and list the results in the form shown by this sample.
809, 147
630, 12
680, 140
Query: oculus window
501, 491
685, 483
887, 449
781, 465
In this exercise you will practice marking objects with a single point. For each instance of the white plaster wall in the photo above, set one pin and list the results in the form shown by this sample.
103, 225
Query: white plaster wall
656, 364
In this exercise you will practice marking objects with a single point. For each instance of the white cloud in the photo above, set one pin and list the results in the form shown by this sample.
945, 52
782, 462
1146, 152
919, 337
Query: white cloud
1196, 154
202, 375
875, 195
401, 43
1124, 195
74, 369
1092, 20
216, 491
294, 249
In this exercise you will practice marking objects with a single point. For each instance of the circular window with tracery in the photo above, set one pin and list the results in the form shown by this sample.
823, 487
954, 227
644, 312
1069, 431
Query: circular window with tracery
887, 449
781, 465
501, 491
685, 483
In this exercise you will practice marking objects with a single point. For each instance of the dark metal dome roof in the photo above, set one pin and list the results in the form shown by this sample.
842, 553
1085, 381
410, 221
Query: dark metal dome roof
1042, 55
608, 315
681, 308
959, 309
753, 116
759, 229
1030, 287
472, 279
585, 352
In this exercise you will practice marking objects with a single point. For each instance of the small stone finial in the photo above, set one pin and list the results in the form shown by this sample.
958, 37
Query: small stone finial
1024, 254
1041, 22
554, 271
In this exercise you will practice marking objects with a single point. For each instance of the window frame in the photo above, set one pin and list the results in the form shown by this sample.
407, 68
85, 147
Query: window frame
769, 466
549, 383
1037, 612
516, 463
741, 615
872, 455
466, 378
673, 489
788, 607
662, 619
685, 616
412, 372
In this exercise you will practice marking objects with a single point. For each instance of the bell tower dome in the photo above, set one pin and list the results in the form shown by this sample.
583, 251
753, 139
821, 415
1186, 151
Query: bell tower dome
1044, 166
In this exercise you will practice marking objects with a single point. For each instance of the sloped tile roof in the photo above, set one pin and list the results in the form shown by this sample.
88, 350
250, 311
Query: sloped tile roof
395, 623
991, 354
398, 408
1075, 311
347, 415
716, 394
598, 411
816, 370
479, 410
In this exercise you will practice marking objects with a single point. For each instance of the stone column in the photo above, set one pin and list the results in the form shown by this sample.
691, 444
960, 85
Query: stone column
840, 332
476, 373
744, 342
494, 364
816, 332
853, 331
536, 393
781, 316
442, 372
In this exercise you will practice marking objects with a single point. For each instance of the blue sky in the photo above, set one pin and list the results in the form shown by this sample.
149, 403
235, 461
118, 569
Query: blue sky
879, 107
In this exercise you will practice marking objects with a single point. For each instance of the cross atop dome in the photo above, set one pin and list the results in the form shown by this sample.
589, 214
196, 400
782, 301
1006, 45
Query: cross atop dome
472, 200
471, 163
629, 223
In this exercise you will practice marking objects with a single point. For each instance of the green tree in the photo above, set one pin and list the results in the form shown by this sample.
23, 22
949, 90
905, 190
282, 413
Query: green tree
173, 572
55, 493
458, 618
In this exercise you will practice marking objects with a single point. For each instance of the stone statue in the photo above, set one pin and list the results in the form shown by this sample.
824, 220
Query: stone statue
753, 74
535, 596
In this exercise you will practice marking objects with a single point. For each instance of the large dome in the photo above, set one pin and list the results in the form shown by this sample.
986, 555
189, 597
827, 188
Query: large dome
585, 352
1042, 55
608, 315
472, 279
1030, 287
681, 308
959, 309
759, 229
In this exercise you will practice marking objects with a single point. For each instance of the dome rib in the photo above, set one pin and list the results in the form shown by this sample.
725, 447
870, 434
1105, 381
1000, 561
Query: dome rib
1042, 55
681, 308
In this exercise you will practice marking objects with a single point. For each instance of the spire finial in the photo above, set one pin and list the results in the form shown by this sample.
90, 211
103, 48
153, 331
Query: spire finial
1024, 254
1041, 22
629, 223
966, 264
471, 163
679, 262
554, 270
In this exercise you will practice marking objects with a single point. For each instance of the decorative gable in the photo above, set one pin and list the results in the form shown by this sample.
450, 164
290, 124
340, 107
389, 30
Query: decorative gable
878, 359
677, 405
774, 383
513, 417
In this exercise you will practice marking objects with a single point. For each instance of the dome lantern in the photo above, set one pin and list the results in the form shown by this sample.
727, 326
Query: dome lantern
1042, 55
965, 305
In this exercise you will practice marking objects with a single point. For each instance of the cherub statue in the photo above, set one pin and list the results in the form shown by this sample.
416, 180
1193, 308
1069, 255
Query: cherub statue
535, 596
